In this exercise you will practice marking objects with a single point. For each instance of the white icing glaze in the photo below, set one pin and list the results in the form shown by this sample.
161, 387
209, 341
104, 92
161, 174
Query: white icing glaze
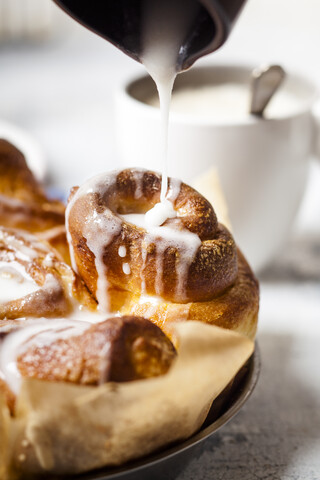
11, 201
138, 177
98, 184
160, 213
23, 251
69, 239
164, 31
122, 251
51, 284
174, 189
36, 332
84, 315
186, 243
15, 282
138, 219
144, 255
126, 268
49, 260
99, 229
154, 217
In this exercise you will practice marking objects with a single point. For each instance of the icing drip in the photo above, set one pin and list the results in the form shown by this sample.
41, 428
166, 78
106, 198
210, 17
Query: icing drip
163, 237
138, 176
122, 251
174, 189
95, 184
69, 240
126, 268
144, 254
99, 231
164, 32
186, 243
22, 251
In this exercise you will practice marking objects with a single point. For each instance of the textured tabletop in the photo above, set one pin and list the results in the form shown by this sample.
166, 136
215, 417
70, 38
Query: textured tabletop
277, 433
62, 93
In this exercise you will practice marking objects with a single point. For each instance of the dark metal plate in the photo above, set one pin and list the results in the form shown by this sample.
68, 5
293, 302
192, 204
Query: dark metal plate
169, 462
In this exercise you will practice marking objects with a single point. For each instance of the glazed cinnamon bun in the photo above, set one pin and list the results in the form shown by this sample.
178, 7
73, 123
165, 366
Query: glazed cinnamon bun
187, 268
81, 349
118, 349
23, 202
35, 282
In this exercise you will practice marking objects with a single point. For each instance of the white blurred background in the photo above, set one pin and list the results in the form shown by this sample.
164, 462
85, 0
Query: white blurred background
57, 80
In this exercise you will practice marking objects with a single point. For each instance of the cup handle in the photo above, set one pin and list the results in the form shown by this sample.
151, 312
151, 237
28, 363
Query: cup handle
316, 125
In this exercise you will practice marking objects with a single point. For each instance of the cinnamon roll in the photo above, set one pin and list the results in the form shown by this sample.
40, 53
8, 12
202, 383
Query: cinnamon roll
35, 282
119, 349
187, 268
67, 365
23, 202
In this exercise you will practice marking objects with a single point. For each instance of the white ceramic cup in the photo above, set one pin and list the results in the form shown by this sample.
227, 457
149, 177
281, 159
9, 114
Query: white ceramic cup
262, 163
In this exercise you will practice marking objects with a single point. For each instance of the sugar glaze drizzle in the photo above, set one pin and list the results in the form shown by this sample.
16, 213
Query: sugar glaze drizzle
164, 32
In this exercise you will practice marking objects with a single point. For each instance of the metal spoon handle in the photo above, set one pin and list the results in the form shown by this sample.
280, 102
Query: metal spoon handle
265, 81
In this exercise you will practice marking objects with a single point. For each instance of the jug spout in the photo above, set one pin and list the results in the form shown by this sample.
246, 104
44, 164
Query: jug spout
120, 22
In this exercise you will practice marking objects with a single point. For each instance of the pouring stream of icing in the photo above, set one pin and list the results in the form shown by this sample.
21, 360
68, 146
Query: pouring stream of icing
165, 29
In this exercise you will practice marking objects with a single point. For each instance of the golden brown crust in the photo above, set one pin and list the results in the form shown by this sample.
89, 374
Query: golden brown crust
213, 269
59, 287
23, 203
236, 309
120, 349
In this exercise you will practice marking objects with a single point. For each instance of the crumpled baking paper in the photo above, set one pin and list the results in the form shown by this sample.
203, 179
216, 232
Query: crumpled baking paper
62, 428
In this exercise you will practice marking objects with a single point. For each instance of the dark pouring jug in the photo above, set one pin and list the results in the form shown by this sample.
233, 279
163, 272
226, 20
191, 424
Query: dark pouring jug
119, 21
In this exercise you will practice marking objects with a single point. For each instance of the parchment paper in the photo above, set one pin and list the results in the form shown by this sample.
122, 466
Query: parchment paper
62, 428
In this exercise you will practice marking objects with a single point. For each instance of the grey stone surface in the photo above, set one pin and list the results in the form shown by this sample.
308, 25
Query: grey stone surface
276, 436
277, 433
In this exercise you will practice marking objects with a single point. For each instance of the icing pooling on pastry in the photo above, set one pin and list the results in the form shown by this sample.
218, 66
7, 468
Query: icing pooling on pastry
101, 226
171, 260
21, 257
15, 282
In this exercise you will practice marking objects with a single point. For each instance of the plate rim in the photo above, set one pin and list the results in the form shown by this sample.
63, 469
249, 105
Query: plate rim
158, 457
